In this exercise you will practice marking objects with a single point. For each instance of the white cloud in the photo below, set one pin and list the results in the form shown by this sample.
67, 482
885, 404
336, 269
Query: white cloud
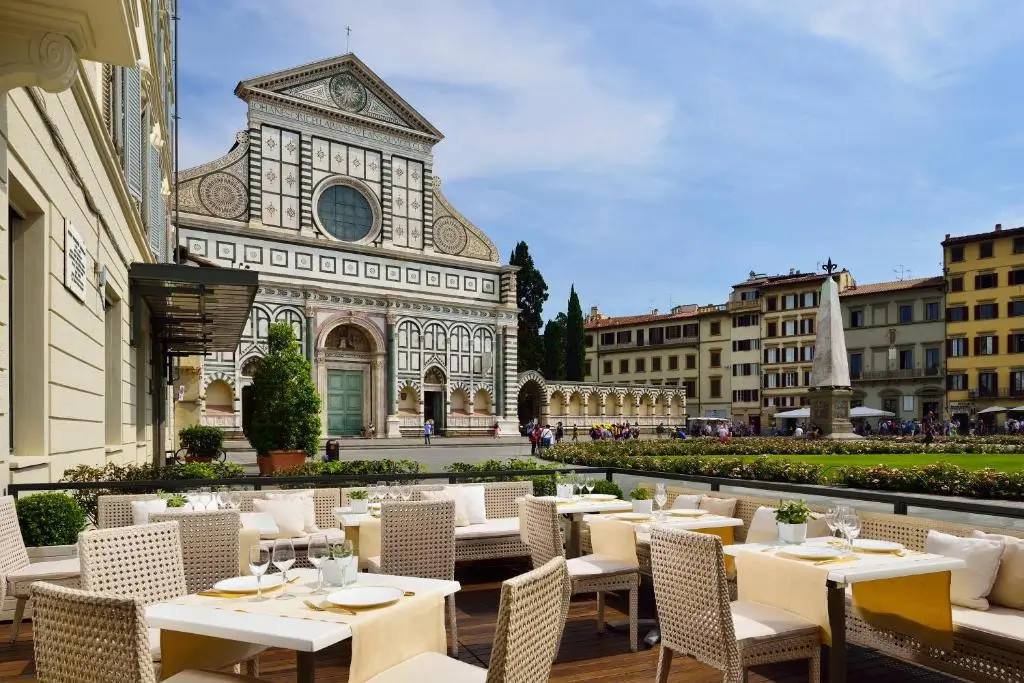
515, 88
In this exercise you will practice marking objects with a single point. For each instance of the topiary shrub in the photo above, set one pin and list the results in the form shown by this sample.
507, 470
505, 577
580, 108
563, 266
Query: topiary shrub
201, 441
285, 405
48, 519
607, 487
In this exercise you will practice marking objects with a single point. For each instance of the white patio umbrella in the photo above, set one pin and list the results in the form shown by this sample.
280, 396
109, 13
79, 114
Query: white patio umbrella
794, 414
993, 409
864, 411
1018, 409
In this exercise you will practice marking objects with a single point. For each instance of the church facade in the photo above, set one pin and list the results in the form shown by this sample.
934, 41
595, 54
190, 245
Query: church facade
400, 302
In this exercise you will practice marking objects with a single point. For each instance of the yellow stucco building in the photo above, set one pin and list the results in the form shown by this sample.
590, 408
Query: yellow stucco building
984, 322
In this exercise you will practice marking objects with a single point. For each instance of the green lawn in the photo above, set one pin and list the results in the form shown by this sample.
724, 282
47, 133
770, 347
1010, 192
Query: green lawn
976, 461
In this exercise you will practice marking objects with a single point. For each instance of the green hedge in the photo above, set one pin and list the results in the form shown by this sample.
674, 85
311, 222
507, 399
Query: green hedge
937, 478
543, 484
48, 519
317, 468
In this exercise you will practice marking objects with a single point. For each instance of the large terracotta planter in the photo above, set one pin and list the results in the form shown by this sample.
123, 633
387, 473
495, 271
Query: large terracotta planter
276, 461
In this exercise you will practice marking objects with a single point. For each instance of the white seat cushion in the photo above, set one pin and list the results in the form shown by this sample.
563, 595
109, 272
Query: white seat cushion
505, 526
373, 564
754, 620
997, 621
592, 565
154, 643
333, 536
19, 581
193, 676
431, 666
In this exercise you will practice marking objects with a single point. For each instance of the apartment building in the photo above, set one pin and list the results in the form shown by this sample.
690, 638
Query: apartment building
895, 336
789, 306
984, 322
86, 91
744, 309
715, 363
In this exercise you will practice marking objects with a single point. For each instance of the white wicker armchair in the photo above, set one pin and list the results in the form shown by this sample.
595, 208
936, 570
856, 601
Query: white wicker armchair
83, 637
697, 619
209, 545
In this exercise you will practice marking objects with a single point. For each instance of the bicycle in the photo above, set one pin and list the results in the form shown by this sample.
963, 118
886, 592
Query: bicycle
179, 456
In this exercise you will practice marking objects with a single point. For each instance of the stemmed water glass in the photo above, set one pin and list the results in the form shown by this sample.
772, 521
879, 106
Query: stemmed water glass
205, 497
284, 558
660, 497
406, 490
259, 562
394, 493
234, 499
851, 526
588, 484
317, 554
832, 518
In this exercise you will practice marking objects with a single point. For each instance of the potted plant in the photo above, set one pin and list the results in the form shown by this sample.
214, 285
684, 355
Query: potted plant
340, 565
201, 443
642, 501
50, 523
174, 500
285, 427
792, 516
357, 500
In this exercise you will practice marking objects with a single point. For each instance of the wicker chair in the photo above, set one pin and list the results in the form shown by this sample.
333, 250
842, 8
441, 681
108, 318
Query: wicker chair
587, 574
143, 563
418, 539
209, 545
83, 637
16, 572
698, 620
530, 618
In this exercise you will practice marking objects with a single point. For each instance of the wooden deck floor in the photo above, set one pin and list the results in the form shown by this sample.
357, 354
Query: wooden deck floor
585, 655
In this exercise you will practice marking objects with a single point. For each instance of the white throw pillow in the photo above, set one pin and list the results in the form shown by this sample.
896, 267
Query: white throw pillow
306, 501
142, 509
970, 587
687, 502
724, 507
461, 516
287, 516
763, 527
261, 522
474, 499
1008, 590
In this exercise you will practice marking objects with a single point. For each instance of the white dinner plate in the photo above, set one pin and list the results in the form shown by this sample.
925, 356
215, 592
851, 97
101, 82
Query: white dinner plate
812, 552
873, 546
365, 596
632, 516
686, 512
247, 584
599, 496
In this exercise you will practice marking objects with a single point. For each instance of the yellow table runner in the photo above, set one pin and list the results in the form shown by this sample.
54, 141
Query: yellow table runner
381, 638
917, 606
369, 540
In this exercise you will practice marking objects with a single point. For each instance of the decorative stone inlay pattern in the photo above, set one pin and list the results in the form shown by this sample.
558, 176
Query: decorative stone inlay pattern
290, 180
320, 154
270, 143
223, 195
290, 212
450, 237
348, 93
271, 175
290, 147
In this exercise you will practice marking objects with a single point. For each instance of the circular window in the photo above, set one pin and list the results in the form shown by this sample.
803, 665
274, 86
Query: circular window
345, 213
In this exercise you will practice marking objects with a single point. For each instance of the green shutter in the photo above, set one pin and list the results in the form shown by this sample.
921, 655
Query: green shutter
131, 101
157, 227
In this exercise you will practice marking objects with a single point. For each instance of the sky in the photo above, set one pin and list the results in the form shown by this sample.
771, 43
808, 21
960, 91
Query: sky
654, 152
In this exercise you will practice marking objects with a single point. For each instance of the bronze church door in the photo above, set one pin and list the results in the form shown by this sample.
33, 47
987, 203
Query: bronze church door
344, 402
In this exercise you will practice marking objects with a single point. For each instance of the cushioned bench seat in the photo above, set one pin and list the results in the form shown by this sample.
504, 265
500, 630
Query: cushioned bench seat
333, 536
1000, 622
492, 528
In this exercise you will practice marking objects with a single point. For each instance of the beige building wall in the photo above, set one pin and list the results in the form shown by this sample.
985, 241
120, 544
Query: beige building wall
744, 307
895, 337
73, 389
715, 392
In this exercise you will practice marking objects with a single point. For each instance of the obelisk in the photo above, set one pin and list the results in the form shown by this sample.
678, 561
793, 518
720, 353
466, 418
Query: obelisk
830, 391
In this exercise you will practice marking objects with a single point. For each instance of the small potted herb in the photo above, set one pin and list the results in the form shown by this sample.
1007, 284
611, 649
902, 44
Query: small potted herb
357, 500
339, 566
174, 500
792, 516
642, 501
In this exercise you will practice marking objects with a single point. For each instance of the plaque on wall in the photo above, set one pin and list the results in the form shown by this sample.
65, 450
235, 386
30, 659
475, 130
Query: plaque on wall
75, 259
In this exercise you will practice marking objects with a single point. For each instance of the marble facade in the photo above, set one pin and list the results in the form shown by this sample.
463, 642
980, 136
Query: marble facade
414, 317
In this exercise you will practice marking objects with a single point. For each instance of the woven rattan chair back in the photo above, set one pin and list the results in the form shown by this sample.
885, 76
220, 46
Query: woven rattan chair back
324, 502
12, 548
209, 545
499, 496
84, 637
530, 620
542, 530
141, 562
418, 539
692, 598
116, 510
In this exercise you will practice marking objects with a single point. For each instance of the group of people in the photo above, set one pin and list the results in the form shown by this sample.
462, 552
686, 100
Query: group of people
543, 436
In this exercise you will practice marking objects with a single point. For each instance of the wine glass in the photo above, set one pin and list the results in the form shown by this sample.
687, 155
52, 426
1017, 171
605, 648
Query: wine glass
660, 497
192, 498
394, 493
588, 484
832, 519
234, 499
204, 498
851, 525
259, 562
284, 558
406, 491
317, 553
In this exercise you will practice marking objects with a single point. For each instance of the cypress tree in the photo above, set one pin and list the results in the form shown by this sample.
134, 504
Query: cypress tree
531, 293
575, 352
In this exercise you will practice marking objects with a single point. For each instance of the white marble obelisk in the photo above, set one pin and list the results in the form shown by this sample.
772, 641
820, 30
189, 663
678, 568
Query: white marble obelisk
830, 392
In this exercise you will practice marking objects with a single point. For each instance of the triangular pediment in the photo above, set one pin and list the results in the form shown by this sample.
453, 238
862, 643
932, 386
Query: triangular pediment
342, 86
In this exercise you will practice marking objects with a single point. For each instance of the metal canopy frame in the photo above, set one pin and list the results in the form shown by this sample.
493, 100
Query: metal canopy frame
193, 310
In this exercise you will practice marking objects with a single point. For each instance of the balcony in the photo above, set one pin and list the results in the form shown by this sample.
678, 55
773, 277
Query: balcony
896, 375
743, 305
1003, 392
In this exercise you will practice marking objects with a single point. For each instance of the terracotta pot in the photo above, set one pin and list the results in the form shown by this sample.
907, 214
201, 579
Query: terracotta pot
276, 461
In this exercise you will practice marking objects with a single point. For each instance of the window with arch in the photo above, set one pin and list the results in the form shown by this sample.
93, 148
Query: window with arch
409, 344
459, 358
435, 338
257, 325
294, 319
483, 351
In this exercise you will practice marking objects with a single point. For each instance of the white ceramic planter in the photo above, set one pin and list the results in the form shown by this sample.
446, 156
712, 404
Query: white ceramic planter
340, 572
52, 552
563, 490
643, 506
358, 505
792, 533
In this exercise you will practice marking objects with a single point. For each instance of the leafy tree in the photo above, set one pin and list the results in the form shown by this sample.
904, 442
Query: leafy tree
286, 407
554, 348
575, 352
531, 293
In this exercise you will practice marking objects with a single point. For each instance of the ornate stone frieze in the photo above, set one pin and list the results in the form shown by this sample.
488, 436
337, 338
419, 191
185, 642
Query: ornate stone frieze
219, 188
455, 235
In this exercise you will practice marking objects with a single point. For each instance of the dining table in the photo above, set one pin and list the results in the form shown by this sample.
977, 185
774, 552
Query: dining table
304, 636
573, 509
847, 570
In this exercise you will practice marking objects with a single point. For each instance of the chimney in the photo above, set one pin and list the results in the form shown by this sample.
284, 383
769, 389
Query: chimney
594, 312
999, 226
654, 311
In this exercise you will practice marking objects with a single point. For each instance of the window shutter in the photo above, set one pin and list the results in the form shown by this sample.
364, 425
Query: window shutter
995, 344
977, 282
977, 346
131, 103
977, 312
1010, 346
155, 203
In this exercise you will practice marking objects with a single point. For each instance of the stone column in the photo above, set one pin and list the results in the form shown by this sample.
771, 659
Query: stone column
499, 371
393, 428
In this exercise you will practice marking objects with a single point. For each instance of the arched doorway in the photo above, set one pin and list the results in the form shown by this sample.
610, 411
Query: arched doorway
247, 370
349, 377
530, 401
434, 398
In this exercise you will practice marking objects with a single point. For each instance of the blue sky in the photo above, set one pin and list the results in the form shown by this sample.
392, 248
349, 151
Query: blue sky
656, 151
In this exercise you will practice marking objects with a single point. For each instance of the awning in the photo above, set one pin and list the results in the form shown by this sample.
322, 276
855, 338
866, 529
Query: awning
993, 409
195, 310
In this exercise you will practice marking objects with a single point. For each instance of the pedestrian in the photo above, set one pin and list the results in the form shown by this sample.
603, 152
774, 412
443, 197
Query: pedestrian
497, 430
428, 429
575, 433
559, 433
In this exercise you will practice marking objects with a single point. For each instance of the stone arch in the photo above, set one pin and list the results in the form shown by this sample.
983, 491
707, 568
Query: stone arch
247, 367
613, 403
483, 401
594, 404
643, 407
409, 397
628, 407
220, 396
294, 317
576, 404
219, 376
557, 402
532, 397
362, 324
460, 400
678, 407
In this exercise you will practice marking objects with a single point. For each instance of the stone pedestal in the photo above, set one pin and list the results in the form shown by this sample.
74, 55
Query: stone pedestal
392, 428
830, 411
